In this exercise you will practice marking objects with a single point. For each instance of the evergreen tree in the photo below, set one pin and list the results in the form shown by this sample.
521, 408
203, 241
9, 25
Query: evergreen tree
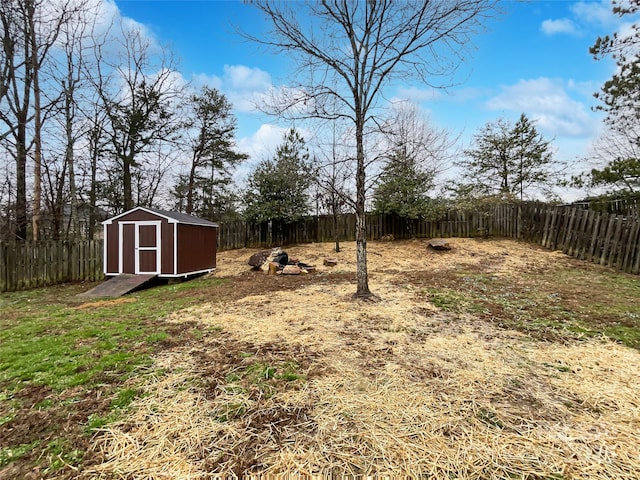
418, 154
403, 187
206, 190
508, 160
620, 97
620, 174
278, 188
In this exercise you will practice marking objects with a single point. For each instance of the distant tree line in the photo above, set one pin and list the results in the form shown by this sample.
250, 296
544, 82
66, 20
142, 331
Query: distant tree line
96, 120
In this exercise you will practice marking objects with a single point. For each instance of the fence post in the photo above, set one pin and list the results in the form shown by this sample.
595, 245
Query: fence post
3, 267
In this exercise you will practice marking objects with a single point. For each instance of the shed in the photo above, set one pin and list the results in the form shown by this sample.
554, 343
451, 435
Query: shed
151, 241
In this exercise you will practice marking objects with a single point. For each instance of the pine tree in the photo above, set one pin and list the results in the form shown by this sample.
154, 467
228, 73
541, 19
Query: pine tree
509, 160
620, 97
206, 189
278, 188
403, 187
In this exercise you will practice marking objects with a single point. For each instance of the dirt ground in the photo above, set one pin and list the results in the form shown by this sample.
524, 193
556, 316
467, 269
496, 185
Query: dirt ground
290, 375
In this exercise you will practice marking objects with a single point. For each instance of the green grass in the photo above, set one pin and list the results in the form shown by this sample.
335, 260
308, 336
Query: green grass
581, 302
61, 453
15, 452
59, 352
259, 378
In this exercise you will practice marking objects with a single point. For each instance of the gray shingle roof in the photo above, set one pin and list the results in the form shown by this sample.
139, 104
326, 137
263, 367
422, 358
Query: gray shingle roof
182, 217
172, 216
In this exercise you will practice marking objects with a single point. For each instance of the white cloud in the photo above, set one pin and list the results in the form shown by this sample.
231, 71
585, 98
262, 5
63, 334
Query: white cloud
547, 102
585, 15
259, 146
553, 27
584, 88
202, 79
263, 142
598, 13
245, 78
245, 87
417, 95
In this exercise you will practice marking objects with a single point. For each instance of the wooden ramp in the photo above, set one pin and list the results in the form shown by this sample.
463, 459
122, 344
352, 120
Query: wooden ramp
119, 285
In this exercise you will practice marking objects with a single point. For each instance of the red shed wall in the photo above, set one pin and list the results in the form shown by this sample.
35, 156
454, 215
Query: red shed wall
111, 246
196, 248
128, 251
166, 262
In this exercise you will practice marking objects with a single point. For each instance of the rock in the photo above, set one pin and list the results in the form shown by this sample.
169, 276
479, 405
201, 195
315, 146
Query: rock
330, 262
271, 258
439, 244
258, 259
291, 270
282, 258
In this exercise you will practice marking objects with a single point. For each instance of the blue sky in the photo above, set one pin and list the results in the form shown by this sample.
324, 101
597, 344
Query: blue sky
533, 59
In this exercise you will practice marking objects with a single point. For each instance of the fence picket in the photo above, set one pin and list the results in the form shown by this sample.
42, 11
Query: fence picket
606, 243
635, 269
631, 247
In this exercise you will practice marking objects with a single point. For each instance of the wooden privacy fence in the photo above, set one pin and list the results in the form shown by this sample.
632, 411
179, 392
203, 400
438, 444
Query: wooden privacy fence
25, 265
240, 234
605, 238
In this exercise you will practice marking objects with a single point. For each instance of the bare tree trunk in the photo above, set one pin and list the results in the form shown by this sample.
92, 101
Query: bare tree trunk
94, 155
37, 159
39, 49
16, 87
21, 182
336, 237
362, 279
126, 180
70, 159
37, 121
191, 185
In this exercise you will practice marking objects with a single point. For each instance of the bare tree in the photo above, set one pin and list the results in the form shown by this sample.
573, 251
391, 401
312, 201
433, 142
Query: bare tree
139, 96
412, 134
348, 51
416, 153
30, 30
75, 42
96, 144
332, 179
65, 90
616, 167
16, 107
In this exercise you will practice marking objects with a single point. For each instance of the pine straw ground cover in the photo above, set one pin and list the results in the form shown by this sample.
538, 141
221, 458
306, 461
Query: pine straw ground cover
481, 362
